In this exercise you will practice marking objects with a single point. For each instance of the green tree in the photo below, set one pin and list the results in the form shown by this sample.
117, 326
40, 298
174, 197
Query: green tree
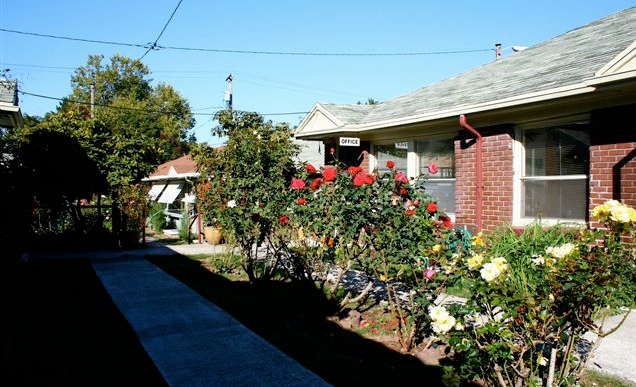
249, 178
132, 127
129, 106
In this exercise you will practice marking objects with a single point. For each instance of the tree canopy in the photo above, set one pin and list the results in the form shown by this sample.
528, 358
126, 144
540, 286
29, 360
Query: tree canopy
85, 148
134, 125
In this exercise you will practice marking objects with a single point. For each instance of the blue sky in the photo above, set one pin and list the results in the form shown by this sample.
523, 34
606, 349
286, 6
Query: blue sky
280, 87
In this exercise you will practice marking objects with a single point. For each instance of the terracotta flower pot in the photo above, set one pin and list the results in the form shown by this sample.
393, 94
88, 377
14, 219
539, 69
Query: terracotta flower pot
213, 235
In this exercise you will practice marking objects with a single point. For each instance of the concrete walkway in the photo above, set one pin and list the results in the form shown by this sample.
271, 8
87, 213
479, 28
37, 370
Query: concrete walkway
191, 341
194, 343
616, 355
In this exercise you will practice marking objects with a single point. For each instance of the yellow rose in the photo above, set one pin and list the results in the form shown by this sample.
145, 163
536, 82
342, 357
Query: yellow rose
475, 261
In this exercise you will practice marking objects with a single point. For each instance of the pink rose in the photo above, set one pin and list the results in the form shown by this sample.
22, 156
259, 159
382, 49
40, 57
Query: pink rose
298, 184
429, 273
432, 169
401, 177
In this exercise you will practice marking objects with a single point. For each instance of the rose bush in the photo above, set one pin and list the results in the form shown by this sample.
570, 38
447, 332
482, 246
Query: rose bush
533, 295
343, 218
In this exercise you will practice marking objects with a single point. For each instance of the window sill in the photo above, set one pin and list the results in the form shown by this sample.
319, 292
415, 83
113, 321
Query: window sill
550, 222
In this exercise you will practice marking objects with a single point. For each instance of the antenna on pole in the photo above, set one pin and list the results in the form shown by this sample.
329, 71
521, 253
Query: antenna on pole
228, 92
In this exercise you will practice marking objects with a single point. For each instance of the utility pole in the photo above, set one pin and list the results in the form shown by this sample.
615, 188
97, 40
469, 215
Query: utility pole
228, 93
92, 87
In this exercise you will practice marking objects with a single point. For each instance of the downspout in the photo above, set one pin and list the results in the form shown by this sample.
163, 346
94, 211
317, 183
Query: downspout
479, 178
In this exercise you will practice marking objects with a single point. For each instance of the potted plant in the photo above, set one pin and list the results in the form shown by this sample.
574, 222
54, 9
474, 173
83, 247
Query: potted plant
209, 205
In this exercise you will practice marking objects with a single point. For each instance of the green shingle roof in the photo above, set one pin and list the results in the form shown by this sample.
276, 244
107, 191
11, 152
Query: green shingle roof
565, 60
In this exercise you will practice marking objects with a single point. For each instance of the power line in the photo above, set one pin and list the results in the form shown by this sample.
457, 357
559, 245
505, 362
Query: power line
75, 39
153, 45
253, 52
143, 110
96, 104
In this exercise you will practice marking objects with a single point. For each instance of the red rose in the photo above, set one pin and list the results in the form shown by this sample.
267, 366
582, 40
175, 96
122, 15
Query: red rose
390, 164
404, 191
298, 184
316, 184
301, 201
283, 219
409, 212
353, 171
446, 221
432, 207
369, 179
310, 169
359, 180
432, 169
329, 174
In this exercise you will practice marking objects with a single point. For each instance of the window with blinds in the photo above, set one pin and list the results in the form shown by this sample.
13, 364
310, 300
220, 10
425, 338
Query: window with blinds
556, 165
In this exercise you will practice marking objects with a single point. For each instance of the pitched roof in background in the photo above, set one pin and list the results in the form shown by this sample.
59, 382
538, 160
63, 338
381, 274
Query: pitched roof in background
564, 62
182, 166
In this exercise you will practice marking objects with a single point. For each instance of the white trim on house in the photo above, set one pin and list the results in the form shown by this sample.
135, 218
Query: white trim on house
625, 61
518, 163
307, 127
172, 177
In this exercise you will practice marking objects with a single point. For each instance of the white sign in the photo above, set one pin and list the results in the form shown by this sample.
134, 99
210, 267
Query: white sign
402, 145
349, 141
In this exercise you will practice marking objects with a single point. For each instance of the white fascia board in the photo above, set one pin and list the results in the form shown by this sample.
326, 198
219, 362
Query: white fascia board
609, 78
317, 109
172, 177
621, 60
14, 111
561, 92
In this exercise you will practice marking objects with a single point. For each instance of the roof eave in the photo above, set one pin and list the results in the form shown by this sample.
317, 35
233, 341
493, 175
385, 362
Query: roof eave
508, 103
172, 177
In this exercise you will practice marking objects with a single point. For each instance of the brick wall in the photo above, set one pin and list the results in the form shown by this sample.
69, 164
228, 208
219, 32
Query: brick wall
612, 157
612, 173
497, 175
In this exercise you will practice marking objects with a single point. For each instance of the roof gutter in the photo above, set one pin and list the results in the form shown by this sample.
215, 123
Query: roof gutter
192, 175
479, 178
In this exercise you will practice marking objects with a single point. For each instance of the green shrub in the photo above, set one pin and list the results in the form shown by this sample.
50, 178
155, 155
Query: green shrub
157, 219
533, 295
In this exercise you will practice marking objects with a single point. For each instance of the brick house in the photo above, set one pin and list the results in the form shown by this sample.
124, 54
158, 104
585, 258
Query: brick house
544, 133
